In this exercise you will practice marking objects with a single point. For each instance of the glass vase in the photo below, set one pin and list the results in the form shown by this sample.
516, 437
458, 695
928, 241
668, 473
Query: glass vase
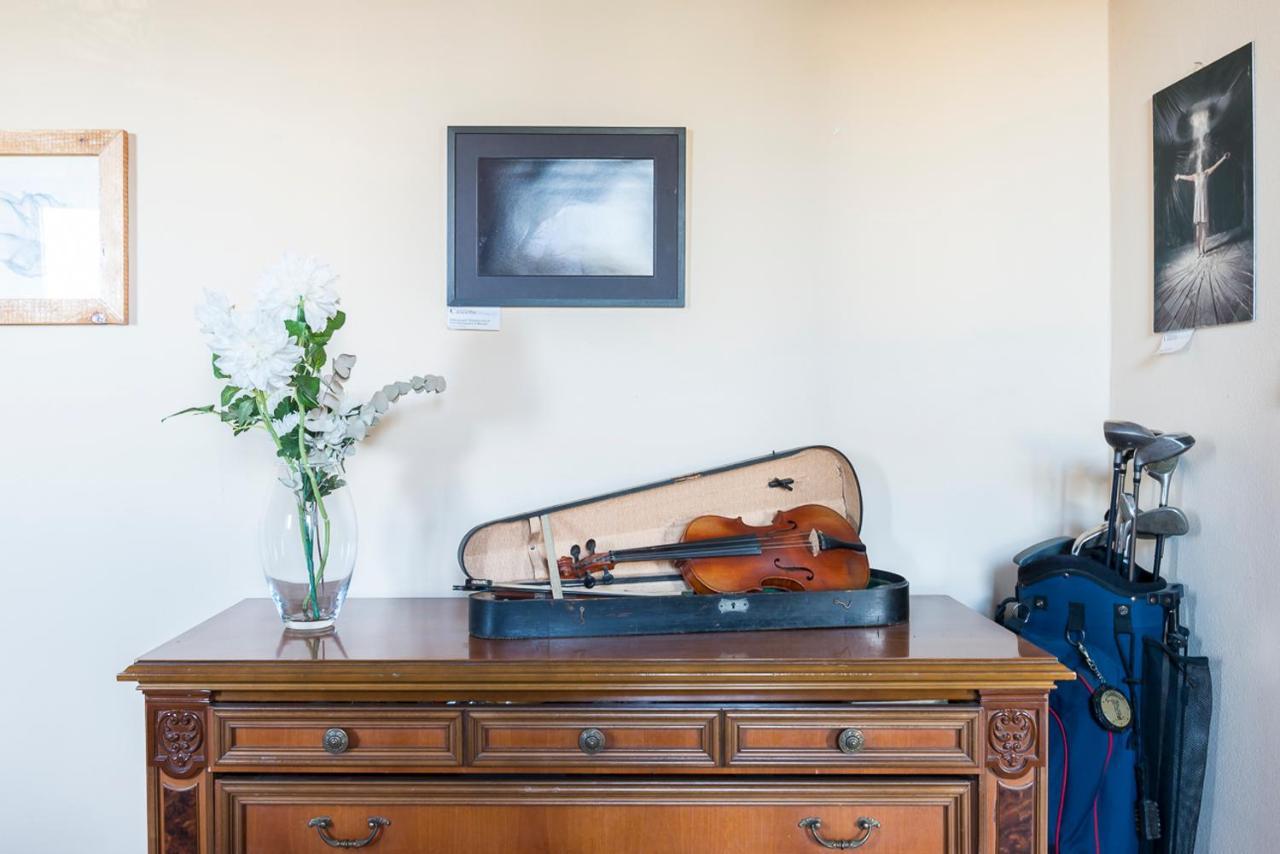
308, 549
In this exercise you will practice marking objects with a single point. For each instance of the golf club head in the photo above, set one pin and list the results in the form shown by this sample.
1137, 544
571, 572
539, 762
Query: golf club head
1125, 436
1126, 509
1163, 468
1089, 538
1162, 522
1162, 449
1125, 512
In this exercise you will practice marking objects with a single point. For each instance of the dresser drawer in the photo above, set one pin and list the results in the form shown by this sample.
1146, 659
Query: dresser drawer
651, 817
577, 738
936, 739
335, 738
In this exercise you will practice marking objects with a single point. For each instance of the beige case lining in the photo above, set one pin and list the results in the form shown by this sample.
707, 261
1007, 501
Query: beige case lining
512, 549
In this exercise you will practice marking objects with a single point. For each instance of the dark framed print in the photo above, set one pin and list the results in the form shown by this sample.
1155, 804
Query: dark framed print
1204, 194
553, 216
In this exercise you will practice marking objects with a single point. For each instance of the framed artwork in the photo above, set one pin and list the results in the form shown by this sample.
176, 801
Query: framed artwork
549, 216
1204, 253
64, 226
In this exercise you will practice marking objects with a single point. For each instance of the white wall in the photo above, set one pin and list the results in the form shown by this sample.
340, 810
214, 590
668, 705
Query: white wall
897, 245
1223, 390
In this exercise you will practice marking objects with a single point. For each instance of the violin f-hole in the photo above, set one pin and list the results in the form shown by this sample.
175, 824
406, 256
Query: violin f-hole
777, 562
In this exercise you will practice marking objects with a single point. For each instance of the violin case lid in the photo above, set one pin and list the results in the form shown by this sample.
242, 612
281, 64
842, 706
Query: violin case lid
513, 549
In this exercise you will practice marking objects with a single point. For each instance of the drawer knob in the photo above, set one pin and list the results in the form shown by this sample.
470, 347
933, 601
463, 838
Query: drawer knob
866, 825
336, 740
323, 823
591, 741
850, 740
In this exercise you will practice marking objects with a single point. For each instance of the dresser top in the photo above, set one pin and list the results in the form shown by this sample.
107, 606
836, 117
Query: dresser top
420, 649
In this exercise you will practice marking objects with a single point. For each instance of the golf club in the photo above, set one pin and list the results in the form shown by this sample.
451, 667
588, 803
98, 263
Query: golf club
1126, 510
1124, 437
1163, 521
1161, 449
1163, 473
1088, 538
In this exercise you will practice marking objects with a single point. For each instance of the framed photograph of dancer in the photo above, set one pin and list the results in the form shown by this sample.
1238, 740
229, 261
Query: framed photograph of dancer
564, 216
1204, 248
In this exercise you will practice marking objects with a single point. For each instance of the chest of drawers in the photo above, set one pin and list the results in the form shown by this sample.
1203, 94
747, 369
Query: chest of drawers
400, 733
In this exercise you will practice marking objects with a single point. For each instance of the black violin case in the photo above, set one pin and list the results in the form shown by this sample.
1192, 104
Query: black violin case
514, 550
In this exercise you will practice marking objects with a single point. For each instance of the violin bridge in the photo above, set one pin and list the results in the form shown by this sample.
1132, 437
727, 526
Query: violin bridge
815, 544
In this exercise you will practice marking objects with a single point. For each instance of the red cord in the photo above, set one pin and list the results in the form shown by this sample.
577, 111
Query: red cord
1062, 797
1111, 742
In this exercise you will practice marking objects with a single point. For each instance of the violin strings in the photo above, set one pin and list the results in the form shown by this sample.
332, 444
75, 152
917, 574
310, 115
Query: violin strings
773, 543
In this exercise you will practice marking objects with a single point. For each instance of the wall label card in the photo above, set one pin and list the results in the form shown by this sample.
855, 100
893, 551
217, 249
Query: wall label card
488, 319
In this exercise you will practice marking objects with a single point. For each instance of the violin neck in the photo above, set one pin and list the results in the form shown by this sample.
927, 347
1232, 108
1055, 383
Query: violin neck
748, 544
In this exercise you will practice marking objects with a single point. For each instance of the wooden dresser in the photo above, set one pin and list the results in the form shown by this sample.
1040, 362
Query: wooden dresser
402, 730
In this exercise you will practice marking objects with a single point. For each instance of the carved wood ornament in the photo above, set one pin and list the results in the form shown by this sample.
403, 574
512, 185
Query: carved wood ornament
179, 741
1011, 736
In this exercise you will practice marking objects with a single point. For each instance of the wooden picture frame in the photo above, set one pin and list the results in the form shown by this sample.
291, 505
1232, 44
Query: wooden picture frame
77, 290
566, 216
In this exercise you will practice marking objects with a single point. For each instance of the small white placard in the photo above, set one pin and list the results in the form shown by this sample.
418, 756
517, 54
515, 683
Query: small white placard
488, 319
1172, 342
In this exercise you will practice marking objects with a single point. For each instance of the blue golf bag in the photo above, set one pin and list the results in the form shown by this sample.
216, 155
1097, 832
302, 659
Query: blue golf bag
1133, 789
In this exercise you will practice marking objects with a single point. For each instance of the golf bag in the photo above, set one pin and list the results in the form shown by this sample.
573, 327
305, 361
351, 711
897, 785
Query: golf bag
1133, 790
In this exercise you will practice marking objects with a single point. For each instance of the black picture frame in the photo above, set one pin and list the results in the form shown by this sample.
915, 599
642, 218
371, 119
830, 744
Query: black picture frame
1205, 254
468, 146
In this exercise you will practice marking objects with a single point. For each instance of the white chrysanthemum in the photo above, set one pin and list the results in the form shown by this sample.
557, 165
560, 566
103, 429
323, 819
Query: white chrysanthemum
216, 316
306, 280
285, 424
257, 353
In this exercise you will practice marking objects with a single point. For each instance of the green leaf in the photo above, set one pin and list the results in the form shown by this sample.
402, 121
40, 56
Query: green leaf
245, 410
298, 329
283, 408
308, 391
229, 394
315, 358
335, 323
216, 371
190, 410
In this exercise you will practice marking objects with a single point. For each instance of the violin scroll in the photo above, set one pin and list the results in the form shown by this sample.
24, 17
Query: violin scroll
578, 566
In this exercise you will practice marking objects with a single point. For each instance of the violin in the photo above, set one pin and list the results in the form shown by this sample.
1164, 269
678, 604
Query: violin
810, 547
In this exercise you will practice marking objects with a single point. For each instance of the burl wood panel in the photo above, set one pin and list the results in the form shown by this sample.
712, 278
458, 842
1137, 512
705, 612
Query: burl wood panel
1015, 816
893, 739
272, 738
546, 739
592, 816
181, 828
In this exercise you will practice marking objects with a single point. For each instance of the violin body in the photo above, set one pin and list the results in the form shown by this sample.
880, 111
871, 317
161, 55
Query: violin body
810, 547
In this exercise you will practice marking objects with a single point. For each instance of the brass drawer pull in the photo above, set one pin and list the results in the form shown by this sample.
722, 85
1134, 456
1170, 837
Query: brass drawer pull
323, 823
591, 741
850, 740
336, 740
866, 825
